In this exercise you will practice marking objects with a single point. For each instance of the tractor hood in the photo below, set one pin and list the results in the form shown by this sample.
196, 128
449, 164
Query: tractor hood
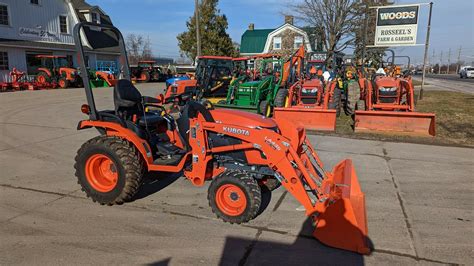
242, 118
387, 82
250, 84
312, 83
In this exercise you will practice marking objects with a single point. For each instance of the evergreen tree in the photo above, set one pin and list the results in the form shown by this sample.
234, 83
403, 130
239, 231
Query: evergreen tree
214, 38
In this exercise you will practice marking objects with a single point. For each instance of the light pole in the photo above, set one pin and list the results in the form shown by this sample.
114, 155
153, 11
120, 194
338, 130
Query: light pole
198, 33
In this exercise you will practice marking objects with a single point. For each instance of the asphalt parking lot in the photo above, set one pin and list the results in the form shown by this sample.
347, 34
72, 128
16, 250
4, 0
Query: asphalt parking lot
420, 202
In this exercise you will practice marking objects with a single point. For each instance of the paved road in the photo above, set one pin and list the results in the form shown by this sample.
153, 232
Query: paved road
419, 200
448, 83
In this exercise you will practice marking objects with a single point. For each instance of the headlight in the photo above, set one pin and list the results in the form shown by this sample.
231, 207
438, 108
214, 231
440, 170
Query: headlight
388, 89
313, 90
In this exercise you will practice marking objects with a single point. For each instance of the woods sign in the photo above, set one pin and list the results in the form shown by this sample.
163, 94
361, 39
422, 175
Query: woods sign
396, 26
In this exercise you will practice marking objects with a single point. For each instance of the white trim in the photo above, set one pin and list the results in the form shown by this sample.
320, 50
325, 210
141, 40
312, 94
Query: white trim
76, 21
9, 15
280, 30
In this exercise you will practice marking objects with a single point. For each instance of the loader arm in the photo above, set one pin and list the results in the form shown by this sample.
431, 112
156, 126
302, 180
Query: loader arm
298, 168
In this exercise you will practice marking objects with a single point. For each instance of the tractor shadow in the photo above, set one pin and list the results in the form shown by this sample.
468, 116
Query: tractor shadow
272, 248
153, 183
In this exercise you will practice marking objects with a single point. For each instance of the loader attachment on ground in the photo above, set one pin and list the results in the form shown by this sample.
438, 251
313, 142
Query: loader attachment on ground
411, 123
343, 223
310, 118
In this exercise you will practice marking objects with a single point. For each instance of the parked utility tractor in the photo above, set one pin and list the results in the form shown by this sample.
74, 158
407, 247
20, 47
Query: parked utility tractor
211, 80
237, 152
387, 104
257, 95
55, 69
146, 71
308, 100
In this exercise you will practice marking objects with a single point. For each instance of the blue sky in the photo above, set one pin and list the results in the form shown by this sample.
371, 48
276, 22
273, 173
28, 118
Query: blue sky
162, 20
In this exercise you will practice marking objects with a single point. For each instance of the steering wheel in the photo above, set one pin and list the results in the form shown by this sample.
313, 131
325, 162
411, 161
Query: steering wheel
207, 104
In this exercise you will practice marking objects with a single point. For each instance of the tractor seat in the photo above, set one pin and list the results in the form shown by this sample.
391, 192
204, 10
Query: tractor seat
128, 102
150, 119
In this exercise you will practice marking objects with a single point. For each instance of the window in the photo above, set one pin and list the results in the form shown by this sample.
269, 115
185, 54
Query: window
63, 24
34, 2
3, 61
95, 18
4, 19
298, 41
276, 43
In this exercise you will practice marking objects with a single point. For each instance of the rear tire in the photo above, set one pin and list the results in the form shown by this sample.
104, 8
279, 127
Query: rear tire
281, 97
360, 105
234, 197
144, 76
42, 77
336, 101
110, 184
63, 83
353, 96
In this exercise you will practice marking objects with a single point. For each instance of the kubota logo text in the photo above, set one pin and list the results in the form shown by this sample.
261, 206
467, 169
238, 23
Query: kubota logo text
237, 131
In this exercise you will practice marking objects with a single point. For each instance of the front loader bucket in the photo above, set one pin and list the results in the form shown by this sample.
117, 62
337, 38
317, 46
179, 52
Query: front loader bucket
411, 123
343, 222
310, 118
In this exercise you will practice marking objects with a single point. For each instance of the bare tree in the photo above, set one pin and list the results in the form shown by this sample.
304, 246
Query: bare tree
138, 48
338, 18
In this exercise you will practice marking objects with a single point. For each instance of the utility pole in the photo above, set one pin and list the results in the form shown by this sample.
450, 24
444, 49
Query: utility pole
440, 62
427, 46
459, 60
198, 33
432, 60
449, 60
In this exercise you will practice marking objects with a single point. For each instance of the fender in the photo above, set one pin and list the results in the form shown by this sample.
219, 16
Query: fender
68, 72
114, 129
47, 71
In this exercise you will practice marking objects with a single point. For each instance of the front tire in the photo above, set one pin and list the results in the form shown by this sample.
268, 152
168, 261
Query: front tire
336, 101
63, 83
281, 98
109, 170
235, 197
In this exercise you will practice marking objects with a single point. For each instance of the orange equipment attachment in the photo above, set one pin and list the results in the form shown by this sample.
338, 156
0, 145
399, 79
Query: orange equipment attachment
390, 107
333, 200
307, 104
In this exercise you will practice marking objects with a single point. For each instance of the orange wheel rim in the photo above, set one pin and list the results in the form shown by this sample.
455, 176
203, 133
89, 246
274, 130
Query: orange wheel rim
101, 173
231, 200
41, 79
142, 76
62, 83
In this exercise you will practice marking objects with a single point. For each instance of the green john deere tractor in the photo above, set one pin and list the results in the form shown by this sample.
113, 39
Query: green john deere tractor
256, 95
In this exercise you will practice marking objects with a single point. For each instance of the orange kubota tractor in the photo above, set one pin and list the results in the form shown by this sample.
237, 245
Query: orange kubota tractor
55, 69
388, 104
237, 152
306, 100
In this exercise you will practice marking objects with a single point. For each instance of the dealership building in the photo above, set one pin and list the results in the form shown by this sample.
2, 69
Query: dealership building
44, 27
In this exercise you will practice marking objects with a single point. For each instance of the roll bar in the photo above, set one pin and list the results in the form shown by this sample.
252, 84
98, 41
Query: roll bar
124, 69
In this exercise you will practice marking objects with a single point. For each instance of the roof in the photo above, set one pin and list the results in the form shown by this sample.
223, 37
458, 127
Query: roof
253, 41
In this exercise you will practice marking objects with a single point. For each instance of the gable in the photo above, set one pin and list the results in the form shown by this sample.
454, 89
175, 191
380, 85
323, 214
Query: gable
253, 41
283, 28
